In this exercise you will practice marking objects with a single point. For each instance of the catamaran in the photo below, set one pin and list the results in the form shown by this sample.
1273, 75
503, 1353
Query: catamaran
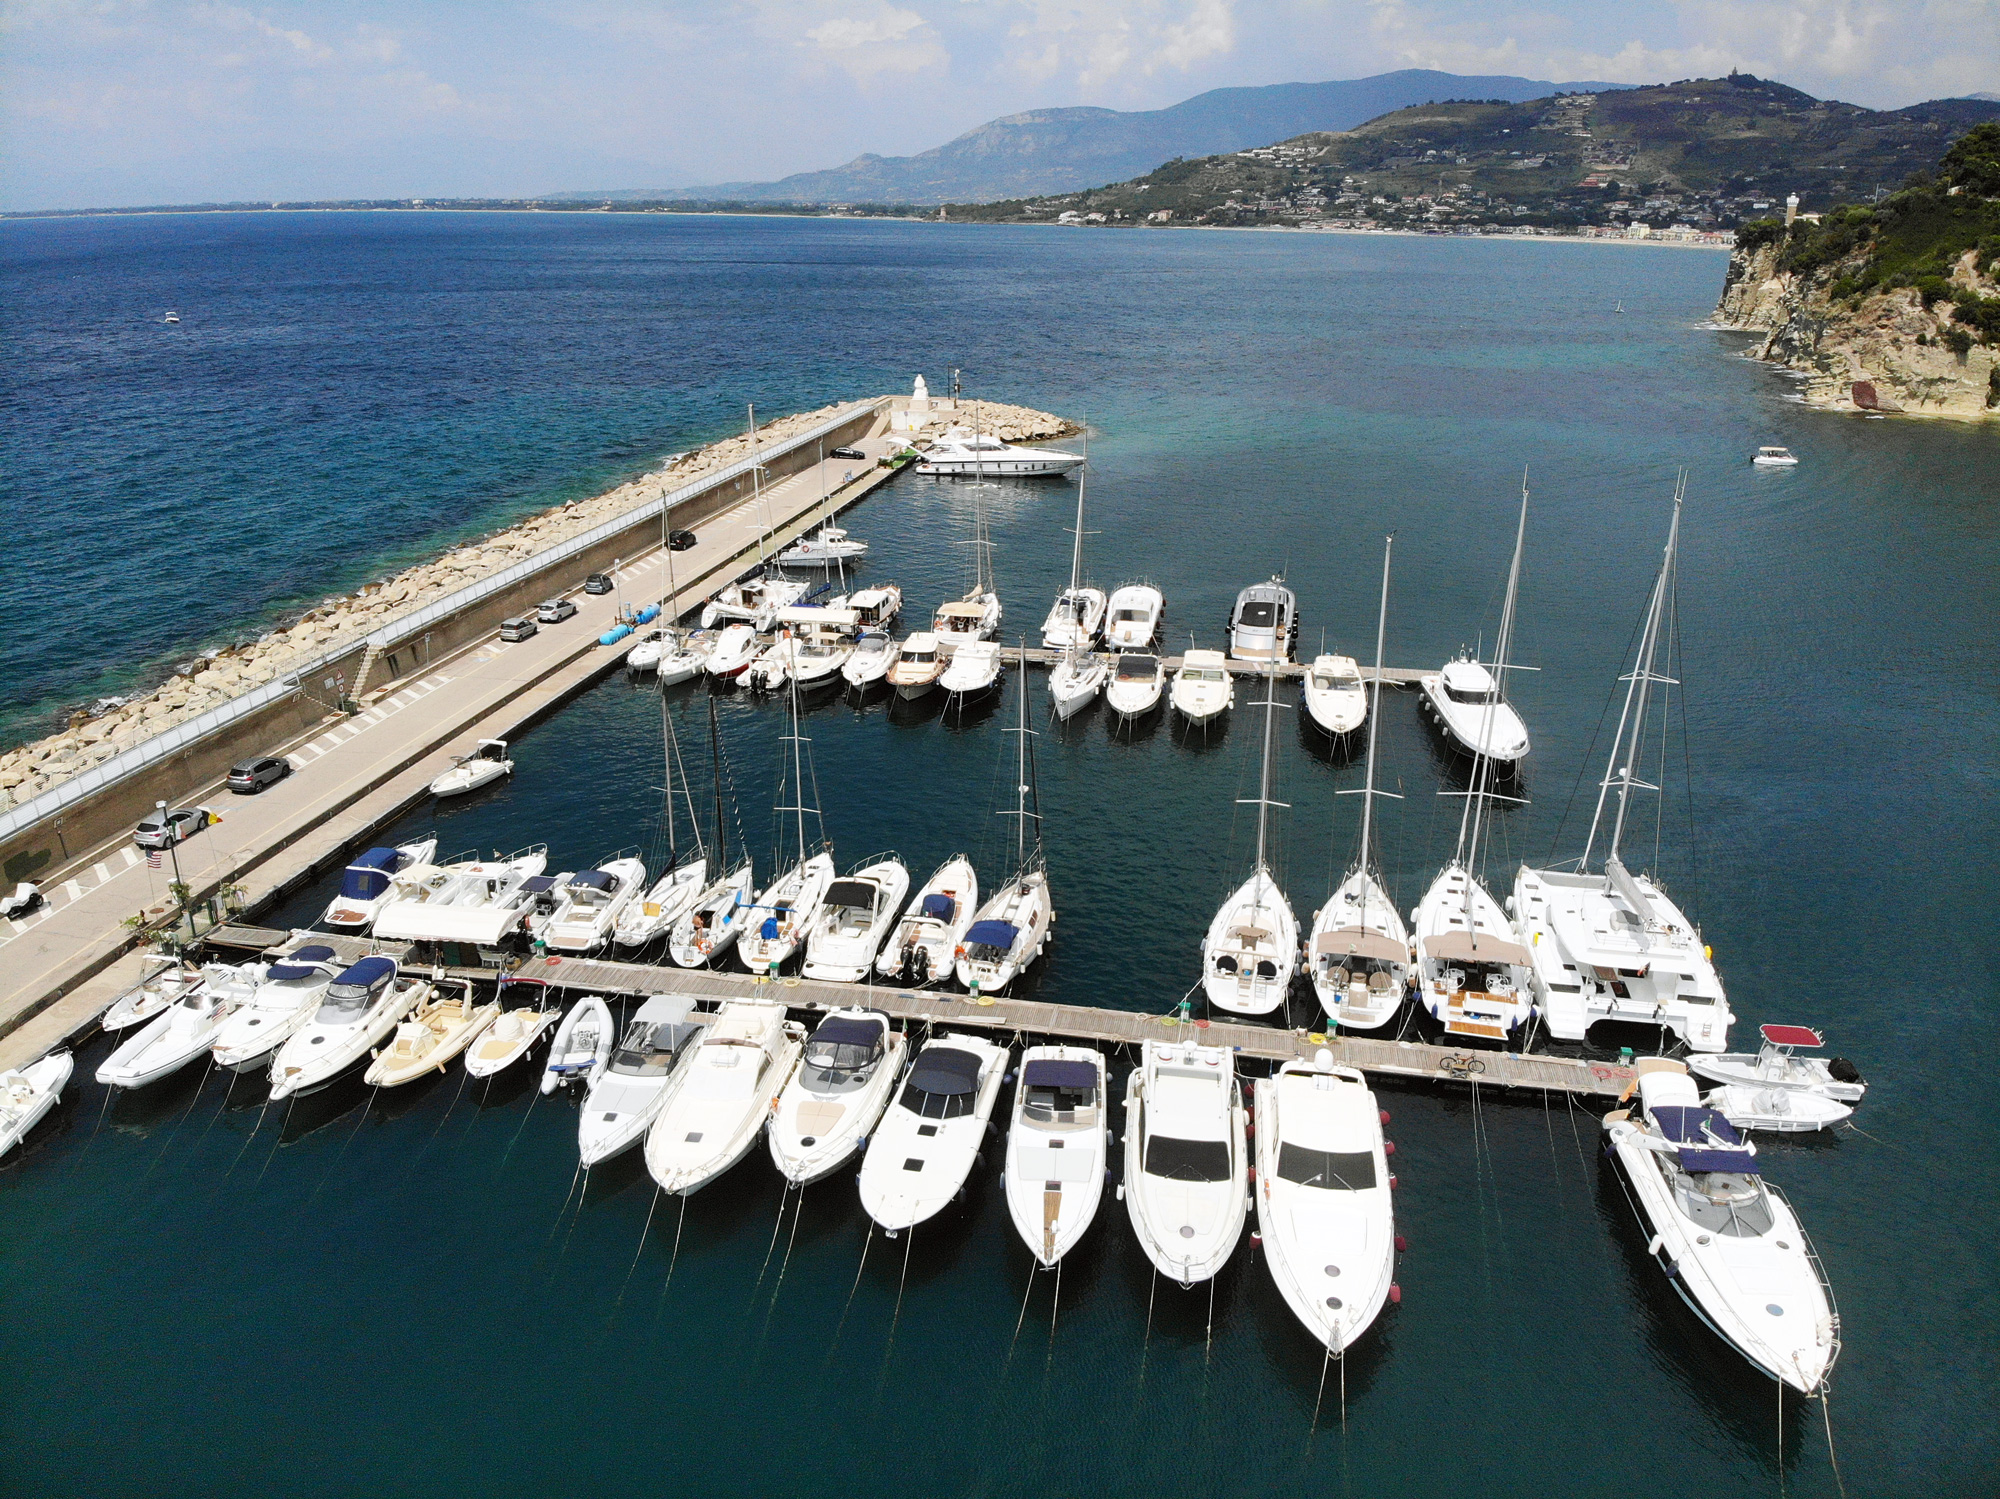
1251, 948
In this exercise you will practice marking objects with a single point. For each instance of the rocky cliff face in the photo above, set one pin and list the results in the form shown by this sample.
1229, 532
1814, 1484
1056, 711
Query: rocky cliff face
1886, 352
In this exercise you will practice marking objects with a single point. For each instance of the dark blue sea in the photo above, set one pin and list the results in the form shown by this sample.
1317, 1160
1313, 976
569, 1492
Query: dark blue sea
414, 1293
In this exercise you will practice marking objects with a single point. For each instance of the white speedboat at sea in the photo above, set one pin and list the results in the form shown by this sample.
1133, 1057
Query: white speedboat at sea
967, 454
290, 992
718, 1099
922, 1151
372, 881
628, 1091
1136, 686
829, 546
1772, 457
1334, 697
1058, 1143
1728, 1242
855, 917
431, 1036
869, 662
168, 1042
973, 672
1465, 700
1204, 687
1780, 1111
1264, 625
582, 1044
590, 903
527, 1010
846, 1074
1076, 618
917, 666
921, 948
1777, 1064
1132, 617
164, 983
1186, 1164
360, 1009
734, 648
485, 765
28, 1093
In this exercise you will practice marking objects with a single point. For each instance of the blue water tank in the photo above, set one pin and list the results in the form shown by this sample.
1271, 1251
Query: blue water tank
647, 615
615, 634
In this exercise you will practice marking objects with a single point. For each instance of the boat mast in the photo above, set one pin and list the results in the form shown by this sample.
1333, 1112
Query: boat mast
757, 492
1482, 765
798, 778
1023, 780
1637, 691
715, 759
1374, 727
670, 752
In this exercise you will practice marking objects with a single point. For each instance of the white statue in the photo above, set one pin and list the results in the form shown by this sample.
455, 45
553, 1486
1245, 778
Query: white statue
920, 397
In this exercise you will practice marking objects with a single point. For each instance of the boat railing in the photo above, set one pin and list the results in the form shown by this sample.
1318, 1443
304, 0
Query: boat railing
1819, 1274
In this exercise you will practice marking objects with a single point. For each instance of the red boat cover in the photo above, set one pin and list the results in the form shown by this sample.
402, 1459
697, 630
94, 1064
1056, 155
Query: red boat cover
1792, 1035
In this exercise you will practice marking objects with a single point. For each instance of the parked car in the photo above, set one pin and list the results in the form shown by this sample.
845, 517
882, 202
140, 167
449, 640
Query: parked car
164, 829
847, 453
597, 583
246, 776
680, 541
518, 629
555, 611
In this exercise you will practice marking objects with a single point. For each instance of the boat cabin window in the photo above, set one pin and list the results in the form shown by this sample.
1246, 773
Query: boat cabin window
647, 1049
1187, 1160
1201, 673
935, 1105
920, 655
1257, 614
1128, 616
1729, 1203
344, 1004
1330, 1170
840, 1048
1462, 695
1328, 681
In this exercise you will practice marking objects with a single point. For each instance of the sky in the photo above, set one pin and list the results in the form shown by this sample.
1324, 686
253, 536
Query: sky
120, 102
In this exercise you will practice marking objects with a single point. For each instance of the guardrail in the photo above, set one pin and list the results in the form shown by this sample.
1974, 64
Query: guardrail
170, 741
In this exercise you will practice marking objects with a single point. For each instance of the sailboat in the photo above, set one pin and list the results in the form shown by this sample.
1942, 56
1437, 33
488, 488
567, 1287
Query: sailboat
790, 904
710, 927
676, 891
1013, 926
1078, 615
977, 615
1360, 953
1252, 946
756, 599
1613, 945
1472, 972
682, 658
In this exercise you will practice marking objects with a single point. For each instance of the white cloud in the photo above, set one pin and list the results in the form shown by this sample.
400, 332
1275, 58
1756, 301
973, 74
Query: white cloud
888, 41
1099, 44
888, 25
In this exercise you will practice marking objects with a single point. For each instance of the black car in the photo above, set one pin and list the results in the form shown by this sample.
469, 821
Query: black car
518, 629
847, 453
680, 541
555, 611
246, 776
597, 583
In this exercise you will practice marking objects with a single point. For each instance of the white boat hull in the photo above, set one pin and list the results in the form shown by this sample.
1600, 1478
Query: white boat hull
27, 1095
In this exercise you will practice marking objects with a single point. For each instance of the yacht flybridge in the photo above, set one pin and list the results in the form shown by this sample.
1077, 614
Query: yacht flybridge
1264, 625
968, 453
1186, 1164
1252, 946
829, 546
1729, 1243
1613, 945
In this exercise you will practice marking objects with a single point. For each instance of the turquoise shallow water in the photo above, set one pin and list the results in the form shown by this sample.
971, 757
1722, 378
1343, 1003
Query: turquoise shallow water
406, 1293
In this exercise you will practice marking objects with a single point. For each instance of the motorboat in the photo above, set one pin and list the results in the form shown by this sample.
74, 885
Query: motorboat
873, 608
645, 653
591, 903
710, 928
1777, 1064
526, 1011
1138, 681
169, 1041
957, 621
922, 947
480, 902
485, 765
1334, 696
1728, 1241
1186, 1162
845, 1077
1203, 687
961, 453
435, 1032
1774, 458
821, 649
869, 662
626, 1094
669, 898
1013, 926
1251, 948
1324, 1206
922, 1151
1783, 1111
1058, 1142
289, 994
784, 914
1077, 618
1132, 617
1611, 944
1075, 680
371, 881
826, 547
1264, 625
360, 1009
917, 666
1359, 950
1472, 973
854, 919
156, 992
771, 667
718, 1099
754, 601
733, 651
1465, 700
28, 1093
582, 1045
974, 670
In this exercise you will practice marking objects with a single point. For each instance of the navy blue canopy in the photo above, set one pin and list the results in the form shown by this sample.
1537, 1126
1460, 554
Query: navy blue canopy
302, 964
946, 1071
1000, 934
939, 907
535, 884
1739, 1161
368, 973
595, 879
368, 876
1048, 1073
1685, 1124
845, 1030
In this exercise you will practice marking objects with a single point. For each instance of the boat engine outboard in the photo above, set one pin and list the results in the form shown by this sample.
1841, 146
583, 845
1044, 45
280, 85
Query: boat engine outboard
1842, 1071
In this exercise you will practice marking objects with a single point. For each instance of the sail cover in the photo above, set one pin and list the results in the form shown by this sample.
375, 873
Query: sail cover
1000, 934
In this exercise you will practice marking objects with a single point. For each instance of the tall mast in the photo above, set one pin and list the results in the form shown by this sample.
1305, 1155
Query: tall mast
757, 488
1021, 770
1621, 771
798, 778
668, 752
715, 759
1264, 779
1374, 727
1482, 765
1076, 552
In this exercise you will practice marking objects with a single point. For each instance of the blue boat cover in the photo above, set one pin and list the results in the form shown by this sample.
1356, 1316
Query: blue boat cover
368, 876
770, 930
939, 907
595, 879
1077, 1077
368, 973
946, 1071
1685, 1124
846, 1030
535, 884
1739, 1161
301, 964
1000, 934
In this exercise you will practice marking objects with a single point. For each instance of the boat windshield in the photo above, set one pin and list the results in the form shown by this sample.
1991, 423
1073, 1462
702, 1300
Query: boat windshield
1330, 1170
1201, 674
1059, 1105
647, 1049
1262, 614
1463, 695
1730, 1203
842, 1046
920, 656
344, 1004
1187, 1160
1327, 681
1137, 668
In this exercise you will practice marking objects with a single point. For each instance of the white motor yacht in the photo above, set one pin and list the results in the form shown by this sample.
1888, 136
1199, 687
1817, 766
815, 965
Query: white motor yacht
1777, 1064
1782, 1111
28, 1093
869, 662
974, 617
168, 1042
819, 656
917, 666
1466, 702
627, 1093
924, 1148
733, 651
1075, 680
1264, 625
1136, 686
1203, 687
710, 929
485, 765
854, 919
1186, 1165
826, 547
971, 454
873, 608
846, 1075
974, 670
582, 1045
1077, 618
718, 1099
1251, 948
1775, 458
527, 1010
754, 601
590, 903
1058, 1143
359, 1011
921, 949
1334, 696
1324, 1207
291, 991
785, 913
371, 882
156, 992
1132, 617
1729, 1243
482, 902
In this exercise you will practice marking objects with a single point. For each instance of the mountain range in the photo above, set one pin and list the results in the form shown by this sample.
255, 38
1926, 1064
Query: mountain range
1045, 151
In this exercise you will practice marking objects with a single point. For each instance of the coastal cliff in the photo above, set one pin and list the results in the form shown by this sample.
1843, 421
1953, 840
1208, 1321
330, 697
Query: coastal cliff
1892, 306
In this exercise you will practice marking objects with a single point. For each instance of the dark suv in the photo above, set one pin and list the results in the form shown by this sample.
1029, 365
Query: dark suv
680, 541
247, 776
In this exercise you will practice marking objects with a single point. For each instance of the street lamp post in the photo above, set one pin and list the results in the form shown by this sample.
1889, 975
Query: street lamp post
174, 852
